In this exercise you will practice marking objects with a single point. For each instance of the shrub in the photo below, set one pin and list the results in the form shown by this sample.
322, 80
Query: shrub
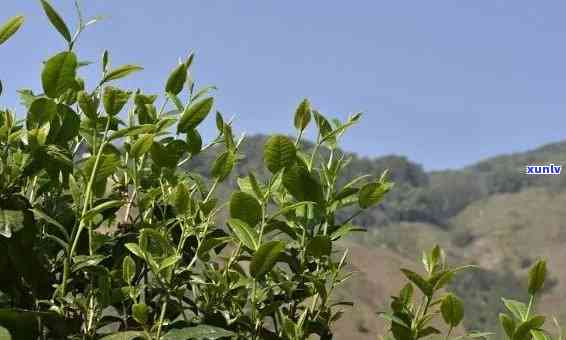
411, 319
103, 235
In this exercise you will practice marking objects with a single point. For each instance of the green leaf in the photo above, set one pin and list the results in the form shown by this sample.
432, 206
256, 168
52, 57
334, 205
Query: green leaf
245, 234
302, 185
517, 308
88, 104
223, 165
59, 74
245, 207
229, 137
101, 207
142, 145
56, 20
168, 156
537, 275
114, 100
538, 335
39, 214
41, 111
169, 261
200, 332
344, 230
181, 199
372, 193
219, 122
128, 268
523, 330
135, 249
177, 79
452, 310
120, 72
10, 28
279, 152
133, 131
140, 313
194, 114
420, 282
70, 124
153, 243
84, 261
303, 115
129, 335
319, 246
194, 142
508, 324
107, 165
251, 186
324, 127
265, 258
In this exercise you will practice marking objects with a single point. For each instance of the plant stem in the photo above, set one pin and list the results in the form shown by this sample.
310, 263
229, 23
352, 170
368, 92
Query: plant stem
88, 193
161, 317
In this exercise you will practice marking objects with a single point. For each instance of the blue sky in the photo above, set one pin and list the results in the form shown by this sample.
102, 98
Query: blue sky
445, 83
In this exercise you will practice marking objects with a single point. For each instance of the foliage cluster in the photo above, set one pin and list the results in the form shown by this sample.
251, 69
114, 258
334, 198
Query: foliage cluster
107, 233
106, 236
415, 315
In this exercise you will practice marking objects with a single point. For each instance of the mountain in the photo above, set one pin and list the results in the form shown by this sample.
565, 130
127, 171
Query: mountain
490, 213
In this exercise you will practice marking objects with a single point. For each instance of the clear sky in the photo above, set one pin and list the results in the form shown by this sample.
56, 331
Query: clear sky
445, 83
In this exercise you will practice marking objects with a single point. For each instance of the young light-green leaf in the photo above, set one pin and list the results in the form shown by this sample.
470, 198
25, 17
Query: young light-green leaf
223, 165
537, 275
194, 114
303, 115
244, 233
181, 199
128, 269
10, 28
59, 74
56, 20
265, 258
120, 72
372, 193
517, 308
279, 152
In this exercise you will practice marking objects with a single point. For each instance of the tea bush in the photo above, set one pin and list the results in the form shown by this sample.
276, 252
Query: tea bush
418, 315
103, 237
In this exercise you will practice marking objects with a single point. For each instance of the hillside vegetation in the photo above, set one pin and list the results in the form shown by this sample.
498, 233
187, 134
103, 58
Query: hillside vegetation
490, 213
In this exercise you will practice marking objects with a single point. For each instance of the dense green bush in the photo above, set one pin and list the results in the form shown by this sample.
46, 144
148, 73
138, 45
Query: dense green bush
105, 235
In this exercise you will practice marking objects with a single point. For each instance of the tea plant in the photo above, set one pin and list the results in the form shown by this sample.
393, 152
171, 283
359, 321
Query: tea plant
105, 236
409, 320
